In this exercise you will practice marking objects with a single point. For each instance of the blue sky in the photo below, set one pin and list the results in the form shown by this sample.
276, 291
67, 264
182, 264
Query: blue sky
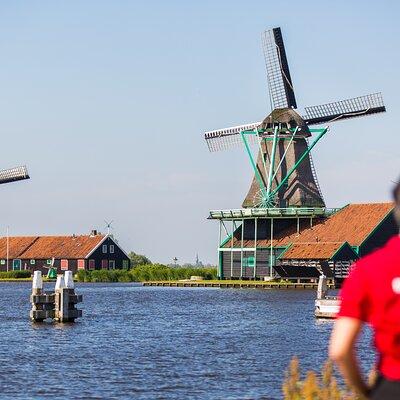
106, 102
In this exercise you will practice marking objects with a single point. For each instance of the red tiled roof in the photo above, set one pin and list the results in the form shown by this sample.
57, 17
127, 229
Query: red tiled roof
352, 224
315, 251
16, 245
46, 247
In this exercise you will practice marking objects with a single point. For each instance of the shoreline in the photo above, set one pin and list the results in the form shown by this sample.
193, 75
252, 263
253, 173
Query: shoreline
221, 284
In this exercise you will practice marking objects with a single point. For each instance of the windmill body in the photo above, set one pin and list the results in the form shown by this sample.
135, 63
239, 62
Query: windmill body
301, 188
284, 192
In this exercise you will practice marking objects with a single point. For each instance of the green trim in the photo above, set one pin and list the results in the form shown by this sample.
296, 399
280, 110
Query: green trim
341, 247
225, 241
253, 164
304, 155
383, 220
286, 249
272, 162
220, 267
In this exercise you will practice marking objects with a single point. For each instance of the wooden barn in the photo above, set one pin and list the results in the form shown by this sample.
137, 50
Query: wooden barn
299, 242
94, 251
332, 259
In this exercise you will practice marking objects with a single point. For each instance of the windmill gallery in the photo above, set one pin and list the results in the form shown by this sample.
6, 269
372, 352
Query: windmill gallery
284, 228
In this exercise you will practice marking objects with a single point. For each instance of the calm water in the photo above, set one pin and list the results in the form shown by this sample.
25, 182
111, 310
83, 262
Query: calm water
160, 343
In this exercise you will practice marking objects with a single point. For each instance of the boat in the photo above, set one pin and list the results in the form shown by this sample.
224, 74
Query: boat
325, 306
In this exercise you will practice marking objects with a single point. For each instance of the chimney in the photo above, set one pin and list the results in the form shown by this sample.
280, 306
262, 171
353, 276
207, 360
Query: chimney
93, 232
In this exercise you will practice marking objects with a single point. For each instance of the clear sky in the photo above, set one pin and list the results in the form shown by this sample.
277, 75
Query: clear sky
106, 102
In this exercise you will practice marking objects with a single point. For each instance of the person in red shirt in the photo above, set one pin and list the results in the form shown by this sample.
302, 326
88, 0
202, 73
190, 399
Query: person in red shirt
371, 294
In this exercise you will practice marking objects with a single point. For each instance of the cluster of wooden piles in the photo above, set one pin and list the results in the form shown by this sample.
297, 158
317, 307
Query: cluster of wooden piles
59, 305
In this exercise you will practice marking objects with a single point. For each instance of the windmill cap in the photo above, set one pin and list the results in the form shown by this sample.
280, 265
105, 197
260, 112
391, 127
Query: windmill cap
287, 117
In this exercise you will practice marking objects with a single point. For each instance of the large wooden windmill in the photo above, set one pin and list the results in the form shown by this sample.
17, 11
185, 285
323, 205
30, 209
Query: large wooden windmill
284, 175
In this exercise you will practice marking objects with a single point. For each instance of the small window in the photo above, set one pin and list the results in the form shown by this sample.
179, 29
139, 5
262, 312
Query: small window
2, 262
92, 264
48, 262
248, 261
104, 248
81, 264
125, 264
104, 264
64, 265
32, 262
111, 248
111, 264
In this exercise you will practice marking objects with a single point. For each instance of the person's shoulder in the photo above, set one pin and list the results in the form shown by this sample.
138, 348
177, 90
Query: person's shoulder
379, 256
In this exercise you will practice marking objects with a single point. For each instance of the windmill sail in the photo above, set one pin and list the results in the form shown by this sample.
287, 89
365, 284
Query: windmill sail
279, 80
13, 174
345, 109
223, 139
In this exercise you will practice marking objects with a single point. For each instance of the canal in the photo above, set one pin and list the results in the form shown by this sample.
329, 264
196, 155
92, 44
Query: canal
161, 343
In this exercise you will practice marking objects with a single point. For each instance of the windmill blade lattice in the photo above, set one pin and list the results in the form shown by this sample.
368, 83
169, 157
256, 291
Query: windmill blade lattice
279, 80
13, 174
345, 109
224, 139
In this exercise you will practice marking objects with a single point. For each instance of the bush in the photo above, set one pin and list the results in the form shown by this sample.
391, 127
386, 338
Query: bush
15, 274
142, 273
159, 272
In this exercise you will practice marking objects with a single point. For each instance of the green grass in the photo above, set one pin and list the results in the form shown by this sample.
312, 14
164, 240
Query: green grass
6, 275
143, 273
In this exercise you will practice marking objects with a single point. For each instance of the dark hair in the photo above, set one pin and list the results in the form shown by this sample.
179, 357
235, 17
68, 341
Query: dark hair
396, 193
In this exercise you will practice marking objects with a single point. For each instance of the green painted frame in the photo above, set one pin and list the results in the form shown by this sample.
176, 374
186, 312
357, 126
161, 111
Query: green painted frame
267, 193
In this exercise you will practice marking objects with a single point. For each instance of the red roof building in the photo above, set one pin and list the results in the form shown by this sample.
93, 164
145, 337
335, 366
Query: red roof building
258, 243
94, 251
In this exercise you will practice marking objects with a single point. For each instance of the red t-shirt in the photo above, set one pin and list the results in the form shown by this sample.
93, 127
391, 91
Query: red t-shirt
371, 294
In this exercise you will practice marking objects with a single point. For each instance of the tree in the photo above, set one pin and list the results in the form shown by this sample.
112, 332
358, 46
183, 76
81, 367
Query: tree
138, 259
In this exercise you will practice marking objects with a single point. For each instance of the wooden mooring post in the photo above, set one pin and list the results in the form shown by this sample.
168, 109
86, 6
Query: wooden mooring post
59, 305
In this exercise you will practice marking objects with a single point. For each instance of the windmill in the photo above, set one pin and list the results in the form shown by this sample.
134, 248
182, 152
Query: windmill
284, 174
109, 226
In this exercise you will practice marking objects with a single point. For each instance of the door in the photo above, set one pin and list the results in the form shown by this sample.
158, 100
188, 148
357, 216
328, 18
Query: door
16, 265
111, 264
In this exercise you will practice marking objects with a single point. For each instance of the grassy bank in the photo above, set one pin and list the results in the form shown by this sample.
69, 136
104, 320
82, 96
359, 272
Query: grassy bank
143, 273
12, 275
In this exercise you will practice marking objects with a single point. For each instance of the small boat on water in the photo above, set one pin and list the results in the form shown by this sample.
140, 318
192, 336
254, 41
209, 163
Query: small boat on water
325, 306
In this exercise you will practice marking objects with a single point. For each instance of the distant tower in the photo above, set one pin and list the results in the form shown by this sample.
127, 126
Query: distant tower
197, 260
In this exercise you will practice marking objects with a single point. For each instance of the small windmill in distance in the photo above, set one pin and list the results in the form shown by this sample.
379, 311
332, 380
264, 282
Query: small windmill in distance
109, 226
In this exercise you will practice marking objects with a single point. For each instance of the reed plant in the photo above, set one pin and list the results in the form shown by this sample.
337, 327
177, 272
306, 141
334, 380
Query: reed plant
323, 386
143, 273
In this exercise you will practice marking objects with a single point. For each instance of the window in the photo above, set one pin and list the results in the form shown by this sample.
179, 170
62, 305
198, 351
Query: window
2, 262
32, 262
111, 264
104, 264
64, 265
91, 264
111, 248
48, 262
81, 264
104, 248
249, 261
125, 264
